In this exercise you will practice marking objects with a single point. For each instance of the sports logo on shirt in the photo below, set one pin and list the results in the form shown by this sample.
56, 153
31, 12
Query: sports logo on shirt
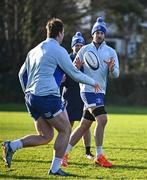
48, 114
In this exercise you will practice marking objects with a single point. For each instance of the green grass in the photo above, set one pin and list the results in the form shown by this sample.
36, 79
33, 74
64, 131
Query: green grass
125, 144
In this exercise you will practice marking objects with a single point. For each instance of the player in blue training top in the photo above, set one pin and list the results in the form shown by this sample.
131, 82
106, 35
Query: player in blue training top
40, 78
71, 95
94, 105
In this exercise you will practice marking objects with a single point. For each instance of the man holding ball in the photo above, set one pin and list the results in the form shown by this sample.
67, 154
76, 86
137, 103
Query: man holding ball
104, 64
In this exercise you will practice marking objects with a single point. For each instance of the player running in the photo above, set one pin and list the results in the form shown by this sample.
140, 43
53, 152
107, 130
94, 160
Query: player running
40, 78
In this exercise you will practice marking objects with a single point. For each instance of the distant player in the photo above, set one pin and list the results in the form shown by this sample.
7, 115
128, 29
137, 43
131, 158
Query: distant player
40, 78
94, 105
71, 95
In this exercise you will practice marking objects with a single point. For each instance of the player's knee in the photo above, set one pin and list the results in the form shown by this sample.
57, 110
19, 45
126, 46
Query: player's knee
101, 115
51, 136
102, 121
84, 126
47, 137
68, 129
45, 140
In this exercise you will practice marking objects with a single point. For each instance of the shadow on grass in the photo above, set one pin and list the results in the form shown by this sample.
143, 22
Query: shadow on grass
41, 161
32, 160
128, 167
27, 161
79, 164
129, 160
113, 167
70, 175
127, 148
119, 148
21, 177
37, 177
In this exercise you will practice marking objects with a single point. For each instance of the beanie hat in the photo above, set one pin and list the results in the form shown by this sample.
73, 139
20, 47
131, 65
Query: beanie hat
99, 25
77, 38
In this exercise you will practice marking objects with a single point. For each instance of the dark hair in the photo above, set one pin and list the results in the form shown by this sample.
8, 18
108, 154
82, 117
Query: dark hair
54, 26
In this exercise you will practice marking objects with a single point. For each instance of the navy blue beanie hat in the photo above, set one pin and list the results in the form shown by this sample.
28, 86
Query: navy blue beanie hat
99, 25
77, 39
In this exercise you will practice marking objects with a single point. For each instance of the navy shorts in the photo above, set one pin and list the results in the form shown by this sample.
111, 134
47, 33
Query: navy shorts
92, 99
74, 109
46, 107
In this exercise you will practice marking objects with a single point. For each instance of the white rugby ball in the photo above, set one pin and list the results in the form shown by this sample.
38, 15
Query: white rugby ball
91, 60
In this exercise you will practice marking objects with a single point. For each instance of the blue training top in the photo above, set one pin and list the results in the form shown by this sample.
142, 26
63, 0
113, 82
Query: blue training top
43, 69
100, 75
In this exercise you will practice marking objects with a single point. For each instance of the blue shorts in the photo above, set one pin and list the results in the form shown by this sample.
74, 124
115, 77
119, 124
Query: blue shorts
46, 107
92, 99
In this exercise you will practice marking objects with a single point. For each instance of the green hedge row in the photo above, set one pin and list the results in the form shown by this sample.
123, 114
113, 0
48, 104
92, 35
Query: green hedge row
128, 90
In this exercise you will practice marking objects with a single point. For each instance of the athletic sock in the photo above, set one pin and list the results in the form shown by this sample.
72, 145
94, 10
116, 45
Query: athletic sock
99, 150
15, 145
55, 164
69, 148
87, 148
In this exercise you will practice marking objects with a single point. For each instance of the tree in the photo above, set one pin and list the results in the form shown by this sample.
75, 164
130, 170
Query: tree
23, 26
127, 15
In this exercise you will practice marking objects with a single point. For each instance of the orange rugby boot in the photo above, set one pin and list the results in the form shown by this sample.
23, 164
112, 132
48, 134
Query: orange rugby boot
102, 161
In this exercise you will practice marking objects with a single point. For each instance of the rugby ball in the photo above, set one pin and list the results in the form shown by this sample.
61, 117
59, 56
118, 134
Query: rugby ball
91, 60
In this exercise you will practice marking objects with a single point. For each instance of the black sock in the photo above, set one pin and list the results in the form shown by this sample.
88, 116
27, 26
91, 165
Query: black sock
87, 148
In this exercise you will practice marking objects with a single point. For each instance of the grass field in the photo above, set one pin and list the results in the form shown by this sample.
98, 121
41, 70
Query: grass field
125, 144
